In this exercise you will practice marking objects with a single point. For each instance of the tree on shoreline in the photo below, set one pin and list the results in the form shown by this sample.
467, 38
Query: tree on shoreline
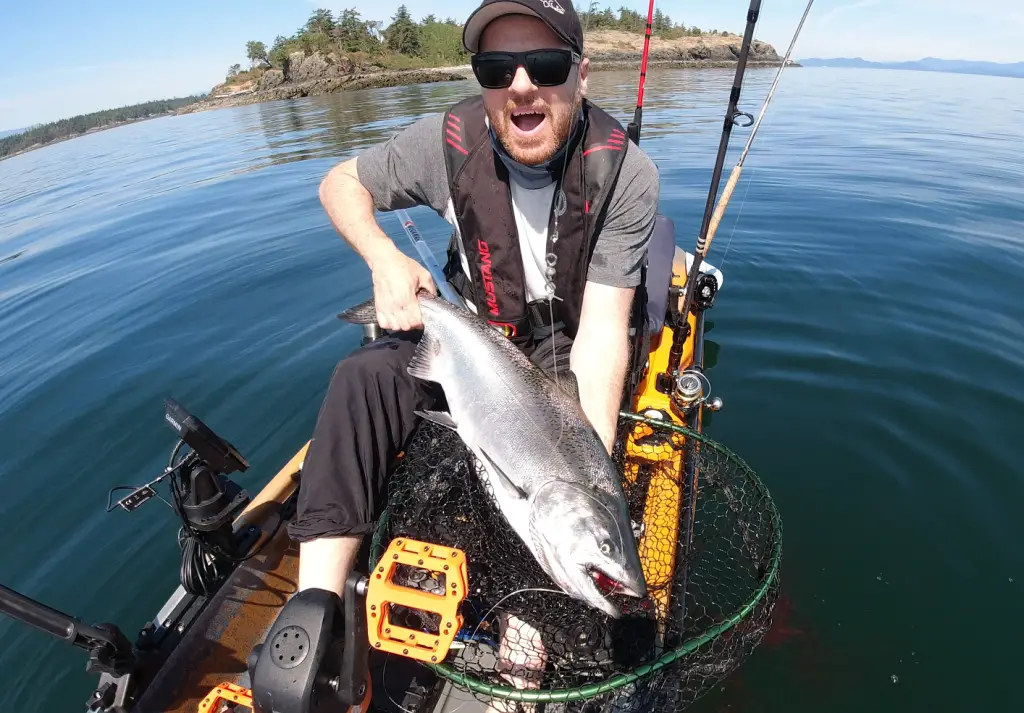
256, 52
405, 43
82, 123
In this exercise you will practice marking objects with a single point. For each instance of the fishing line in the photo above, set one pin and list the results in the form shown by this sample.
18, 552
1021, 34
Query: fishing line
584, 492
743, 202
384, 682
507, 596
713, 213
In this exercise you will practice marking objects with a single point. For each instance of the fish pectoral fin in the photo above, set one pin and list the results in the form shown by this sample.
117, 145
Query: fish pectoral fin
425, 358
506, 482
440, 418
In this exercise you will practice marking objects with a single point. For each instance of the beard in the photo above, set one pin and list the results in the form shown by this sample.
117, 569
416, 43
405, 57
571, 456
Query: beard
555, 125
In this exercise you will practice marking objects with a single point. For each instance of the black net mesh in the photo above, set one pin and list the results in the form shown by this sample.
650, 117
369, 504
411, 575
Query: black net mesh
709, 600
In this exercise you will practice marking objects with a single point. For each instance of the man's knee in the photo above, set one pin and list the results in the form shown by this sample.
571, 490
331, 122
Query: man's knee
383, 360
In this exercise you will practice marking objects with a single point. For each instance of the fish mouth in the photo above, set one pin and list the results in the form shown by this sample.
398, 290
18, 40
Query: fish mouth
527, 122
609, 586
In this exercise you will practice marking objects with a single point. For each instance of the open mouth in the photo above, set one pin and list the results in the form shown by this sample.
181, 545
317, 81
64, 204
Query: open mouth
607, 585
528, 121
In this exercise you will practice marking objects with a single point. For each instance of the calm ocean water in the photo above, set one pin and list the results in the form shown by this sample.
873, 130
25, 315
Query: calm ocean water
868, 344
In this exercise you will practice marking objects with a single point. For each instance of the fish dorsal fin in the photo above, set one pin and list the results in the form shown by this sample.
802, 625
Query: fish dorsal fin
567, 382
440, 418
506, 482
424, 361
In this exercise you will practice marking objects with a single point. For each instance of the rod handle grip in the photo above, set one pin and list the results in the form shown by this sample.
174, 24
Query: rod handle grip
723, 201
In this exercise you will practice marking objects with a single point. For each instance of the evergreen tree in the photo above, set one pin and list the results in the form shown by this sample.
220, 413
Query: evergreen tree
403, 35
321, 21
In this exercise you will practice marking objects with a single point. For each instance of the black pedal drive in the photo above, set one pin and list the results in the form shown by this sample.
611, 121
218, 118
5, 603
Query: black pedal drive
315, 659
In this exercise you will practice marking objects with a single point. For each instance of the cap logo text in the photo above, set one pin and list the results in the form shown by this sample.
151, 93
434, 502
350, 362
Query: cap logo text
553, 5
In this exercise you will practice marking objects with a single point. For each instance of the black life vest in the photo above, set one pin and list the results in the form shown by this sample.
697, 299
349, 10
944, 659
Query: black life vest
478, 184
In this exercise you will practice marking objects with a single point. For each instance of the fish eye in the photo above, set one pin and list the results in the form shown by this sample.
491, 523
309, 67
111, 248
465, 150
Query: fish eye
606, 547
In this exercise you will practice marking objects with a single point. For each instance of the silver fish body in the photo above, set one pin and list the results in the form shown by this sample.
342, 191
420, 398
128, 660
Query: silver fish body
539, 455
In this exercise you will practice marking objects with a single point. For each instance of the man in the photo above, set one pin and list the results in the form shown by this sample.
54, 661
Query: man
547, 198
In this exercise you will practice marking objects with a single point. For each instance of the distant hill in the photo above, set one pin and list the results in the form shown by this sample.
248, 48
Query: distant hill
11, 132
928, 64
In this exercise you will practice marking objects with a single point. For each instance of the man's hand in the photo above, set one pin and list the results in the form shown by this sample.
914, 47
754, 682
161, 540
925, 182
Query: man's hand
397, 279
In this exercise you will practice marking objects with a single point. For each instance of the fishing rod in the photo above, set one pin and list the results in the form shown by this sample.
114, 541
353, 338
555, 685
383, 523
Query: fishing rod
712, 213
427, 255
633, 128
734, 177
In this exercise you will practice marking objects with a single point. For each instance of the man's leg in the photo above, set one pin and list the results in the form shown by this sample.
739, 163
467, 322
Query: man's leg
365, 420
552, 354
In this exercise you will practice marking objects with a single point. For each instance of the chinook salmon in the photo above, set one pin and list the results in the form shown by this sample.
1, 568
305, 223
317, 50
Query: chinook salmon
539, 455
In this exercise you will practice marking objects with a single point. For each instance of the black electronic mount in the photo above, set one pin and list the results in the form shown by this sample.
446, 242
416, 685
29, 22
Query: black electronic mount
205, 499
207, 502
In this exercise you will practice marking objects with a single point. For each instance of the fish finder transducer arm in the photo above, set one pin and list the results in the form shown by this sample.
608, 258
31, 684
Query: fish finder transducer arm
109, 650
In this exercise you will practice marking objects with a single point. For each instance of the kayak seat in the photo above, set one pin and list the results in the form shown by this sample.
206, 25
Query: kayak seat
660, 254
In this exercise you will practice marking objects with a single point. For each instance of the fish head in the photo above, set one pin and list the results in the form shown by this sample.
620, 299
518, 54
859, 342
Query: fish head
588, 543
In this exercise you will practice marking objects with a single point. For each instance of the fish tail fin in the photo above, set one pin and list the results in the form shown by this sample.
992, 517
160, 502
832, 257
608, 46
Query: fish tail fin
363, 313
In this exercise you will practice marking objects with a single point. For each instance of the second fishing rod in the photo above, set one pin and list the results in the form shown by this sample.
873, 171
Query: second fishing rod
712, 213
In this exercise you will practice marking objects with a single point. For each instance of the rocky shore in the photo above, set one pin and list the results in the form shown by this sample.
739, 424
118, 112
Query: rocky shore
309, 75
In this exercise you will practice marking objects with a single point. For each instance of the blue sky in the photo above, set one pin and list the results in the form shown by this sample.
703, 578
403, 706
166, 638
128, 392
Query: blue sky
65, 57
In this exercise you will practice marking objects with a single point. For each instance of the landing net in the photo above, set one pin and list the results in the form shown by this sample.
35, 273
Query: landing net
710, 595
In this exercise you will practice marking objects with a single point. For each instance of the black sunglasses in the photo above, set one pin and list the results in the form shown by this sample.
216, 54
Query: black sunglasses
547, 68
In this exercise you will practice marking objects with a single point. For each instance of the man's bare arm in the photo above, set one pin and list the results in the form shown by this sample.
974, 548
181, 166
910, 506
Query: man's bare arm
396, 277
600, 355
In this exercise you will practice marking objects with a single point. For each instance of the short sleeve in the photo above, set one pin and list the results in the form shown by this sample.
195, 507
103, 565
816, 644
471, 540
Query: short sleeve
408, 169
622, 242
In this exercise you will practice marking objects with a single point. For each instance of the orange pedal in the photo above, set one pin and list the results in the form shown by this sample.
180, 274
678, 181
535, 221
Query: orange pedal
229, 693
382, 593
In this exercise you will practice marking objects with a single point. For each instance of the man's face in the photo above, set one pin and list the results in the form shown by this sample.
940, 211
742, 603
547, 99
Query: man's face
531, 122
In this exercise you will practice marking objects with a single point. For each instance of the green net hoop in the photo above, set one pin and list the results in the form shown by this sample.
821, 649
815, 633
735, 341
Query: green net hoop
710, 596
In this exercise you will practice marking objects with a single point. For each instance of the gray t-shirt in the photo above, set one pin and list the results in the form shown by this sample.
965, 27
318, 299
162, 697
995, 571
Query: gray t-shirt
409, 169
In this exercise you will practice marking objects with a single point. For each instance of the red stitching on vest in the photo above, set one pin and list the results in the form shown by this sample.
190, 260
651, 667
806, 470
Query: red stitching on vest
601, 148
453, 135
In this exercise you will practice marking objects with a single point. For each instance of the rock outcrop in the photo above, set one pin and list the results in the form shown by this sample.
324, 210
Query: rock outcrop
314, 74
300, 67
617, 48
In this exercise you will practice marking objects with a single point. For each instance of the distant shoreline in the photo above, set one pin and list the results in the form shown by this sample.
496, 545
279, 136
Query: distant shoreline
410, 77
1013, 70
316, 75
379, 80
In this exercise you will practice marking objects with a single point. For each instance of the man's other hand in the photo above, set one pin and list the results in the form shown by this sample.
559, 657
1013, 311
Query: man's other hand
397, 279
